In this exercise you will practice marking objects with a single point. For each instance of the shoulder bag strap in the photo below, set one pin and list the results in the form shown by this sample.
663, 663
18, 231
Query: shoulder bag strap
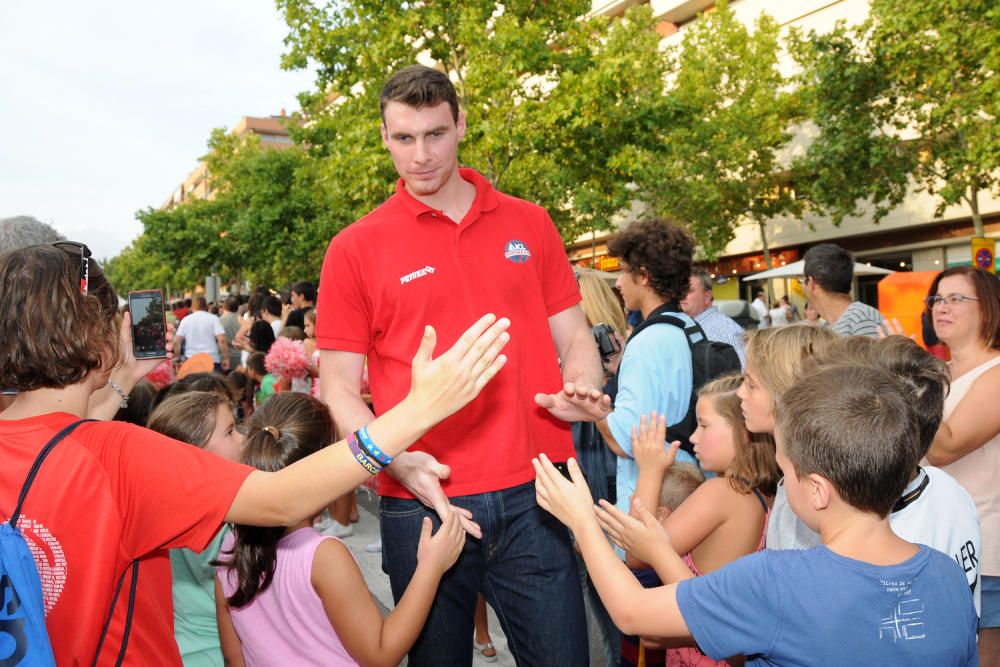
39, 460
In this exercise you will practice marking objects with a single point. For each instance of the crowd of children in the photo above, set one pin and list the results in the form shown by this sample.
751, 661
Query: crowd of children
811, 531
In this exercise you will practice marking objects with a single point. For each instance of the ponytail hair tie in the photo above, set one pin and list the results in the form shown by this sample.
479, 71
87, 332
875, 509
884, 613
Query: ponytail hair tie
273, 431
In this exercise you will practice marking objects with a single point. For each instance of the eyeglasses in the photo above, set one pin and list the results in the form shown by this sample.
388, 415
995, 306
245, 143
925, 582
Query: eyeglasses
952, 300
802, 279
73, 247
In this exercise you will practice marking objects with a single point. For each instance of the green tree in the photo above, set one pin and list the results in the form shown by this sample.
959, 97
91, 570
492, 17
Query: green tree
910, 97
729, 119
554, 102
264, 223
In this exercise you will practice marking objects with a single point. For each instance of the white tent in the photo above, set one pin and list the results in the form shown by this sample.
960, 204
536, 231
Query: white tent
796, 269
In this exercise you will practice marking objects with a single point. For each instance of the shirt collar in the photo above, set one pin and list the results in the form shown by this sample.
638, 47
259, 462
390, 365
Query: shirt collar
486, 197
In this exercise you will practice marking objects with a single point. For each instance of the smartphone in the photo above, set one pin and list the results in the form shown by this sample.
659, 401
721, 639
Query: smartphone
149, 324
563, 467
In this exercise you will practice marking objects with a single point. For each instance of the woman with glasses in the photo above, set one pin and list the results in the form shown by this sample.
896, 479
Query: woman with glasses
964, 305
112, 497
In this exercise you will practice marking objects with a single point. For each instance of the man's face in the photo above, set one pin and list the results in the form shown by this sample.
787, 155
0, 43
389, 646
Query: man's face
423, 144
296, 299
630, 285
698, 299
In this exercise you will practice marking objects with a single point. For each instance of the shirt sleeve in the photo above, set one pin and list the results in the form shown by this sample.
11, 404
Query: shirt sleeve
655, 374
343, 310
217, 329
170, 494
559, 286
734, 610
181, 329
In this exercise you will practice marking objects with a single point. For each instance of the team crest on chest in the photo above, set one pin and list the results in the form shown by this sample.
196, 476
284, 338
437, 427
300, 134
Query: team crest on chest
517, 252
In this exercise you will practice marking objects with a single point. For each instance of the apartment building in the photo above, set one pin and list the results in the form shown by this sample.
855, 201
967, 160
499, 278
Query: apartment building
909, 238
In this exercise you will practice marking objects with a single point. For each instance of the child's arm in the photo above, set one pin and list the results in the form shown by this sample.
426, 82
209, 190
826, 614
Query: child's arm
440, 387
634, 609
643, 538
653, 461
367, 637
232, 647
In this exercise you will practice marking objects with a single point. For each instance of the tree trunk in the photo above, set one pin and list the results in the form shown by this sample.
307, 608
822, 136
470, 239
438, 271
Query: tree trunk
977, 217
762, 225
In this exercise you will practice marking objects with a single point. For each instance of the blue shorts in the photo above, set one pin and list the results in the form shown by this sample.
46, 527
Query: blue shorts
990, 603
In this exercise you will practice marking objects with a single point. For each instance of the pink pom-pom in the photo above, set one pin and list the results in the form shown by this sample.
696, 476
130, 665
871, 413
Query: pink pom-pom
287, 359
162, 375
365, 387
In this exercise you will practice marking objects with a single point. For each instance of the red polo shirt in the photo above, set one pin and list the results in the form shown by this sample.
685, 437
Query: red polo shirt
406, 265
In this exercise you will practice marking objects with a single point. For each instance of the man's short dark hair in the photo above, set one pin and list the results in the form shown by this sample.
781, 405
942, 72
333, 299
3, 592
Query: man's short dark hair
924, 376
232, 303
831, 267
853, 426
418, 86
704, 278
272, 304
306, 290
199, 303
662, 249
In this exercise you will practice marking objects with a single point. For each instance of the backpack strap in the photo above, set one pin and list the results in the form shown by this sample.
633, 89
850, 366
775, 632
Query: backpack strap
128, 617
39, 460
664, 314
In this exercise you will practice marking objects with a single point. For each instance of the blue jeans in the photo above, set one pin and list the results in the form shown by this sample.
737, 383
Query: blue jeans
524, 566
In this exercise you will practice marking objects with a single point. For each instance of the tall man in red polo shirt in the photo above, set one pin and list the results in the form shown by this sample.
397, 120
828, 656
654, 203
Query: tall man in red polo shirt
443, 249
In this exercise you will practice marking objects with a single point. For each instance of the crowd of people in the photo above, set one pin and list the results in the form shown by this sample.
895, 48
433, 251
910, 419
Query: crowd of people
815, 493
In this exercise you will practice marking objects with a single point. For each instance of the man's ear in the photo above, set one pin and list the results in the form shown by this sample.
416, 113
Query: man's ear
820, 491
460, 125
385, 134
642, 276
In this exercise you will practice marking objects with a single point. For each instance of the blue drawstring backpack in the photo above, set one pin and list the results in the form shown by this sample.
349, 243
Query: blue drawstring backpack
24, 641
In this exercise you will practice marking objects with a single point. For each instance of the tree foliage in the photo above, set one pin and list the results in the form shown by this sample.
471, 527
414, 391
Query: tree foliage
265, 223
910, 94
730, 116
553, 101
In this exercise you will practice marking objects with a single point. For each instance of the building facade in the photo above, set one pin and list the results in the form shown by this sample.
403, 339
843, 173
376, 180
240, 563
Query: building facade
910, 238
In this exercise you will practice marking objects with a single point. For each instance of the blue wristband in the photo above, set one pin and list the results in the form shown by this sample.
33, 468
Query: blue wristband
362, 458
371, 448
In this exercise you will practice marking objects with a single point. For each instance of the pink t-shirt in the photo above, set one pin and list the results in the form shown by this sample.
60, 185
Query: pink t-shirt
286, 624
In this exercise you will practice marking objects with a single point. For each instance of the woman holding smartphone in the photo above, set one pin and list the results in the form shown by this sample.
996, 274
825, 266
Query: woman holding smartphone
111, 498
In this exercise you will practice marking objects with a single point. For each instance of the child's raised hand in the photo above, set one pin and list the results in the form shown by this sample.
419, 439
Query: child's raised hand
443, 385
441, 550
648, 440
568, 501
642, 537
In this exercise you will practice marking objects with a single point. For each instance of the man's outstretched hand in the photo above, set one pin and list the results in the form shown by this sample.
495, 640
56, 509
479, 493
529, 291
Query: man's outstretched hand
576, 403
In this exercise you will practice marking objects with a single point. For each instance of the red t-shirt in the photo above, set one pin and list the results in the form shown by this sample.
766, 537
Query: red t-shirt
406, 265
108, 493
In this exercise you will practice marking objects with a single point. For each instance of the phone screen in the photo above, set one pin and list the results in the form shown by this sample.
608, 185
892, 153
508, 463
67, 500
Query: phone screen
149, 328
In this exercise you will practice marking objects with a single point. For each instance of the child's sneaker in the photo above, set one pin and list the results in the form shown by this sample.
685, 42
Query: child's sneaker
338, 529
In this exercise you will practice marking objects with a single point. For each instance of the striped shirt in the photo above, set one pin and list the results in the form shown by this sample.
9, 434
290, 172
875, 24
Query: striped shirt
721, 328
859, 319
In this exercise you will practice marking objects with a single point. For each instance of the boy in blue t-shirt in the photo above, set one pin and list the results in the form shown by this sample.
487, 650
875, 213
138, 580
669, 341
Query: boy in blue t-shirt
847, 444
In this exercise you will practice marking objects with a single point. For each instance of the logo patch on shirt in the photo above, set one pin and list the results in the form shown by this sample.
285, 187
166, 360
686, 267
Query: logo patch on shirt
420, 273
517, 252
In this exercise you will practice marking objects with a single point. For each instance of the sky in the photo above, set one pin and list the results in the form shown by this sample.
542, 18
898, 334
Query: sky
105, 107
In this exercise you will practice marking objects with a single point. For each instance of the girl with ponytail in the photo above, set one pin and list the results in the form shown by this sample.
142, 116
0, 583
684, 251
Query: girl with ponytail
295, 596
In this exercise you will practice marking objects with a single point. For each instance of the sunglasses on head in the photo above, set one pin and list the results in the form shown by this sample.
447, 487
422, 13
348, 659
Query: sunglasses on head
73, 247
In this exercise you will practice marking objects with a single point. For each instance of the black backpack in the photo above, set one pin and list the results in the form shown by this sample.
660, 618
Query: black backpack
709, 360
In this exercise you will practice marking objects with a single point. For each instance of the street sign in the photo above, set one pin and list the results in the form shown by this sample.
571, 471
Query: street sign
984, 253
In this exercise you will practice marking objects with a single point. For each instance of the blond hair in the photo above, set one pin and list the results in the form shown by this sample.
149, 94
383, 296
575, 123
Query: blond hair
780, 356
679, 482
600, 303
754, 465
